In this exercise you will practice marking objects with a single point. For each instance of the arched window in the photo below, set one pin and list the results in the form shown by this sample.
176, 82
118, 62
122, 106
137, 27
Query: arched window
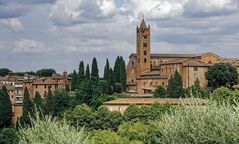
145, 60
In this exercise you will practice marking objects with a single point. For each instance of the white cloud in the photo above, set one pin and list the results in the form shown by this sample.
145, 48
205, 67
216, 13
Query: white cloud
68, 12
29, 46
13, 24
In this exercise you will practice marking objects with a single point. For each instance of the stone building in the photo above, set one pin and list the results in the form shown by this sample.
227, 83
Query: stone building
146, 70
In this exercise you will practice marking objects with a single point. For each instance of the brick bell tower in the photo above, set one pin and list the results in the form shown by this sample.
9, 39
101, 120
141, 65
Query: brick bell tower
143, 48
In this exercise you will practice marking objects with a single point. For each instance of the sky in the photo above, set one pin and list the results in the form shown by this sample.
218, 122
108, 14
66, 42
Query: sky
58, 34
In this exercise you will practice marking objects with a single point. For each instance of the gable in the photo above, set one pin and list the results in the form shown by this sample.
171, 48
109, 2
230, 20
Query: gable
192, 61
210, 58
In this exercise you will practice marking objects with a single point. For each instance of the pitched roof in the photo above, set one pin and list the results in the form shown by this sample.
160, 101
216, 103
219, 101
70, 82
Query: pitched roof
143, 25
151, 73
172, 55
147, 101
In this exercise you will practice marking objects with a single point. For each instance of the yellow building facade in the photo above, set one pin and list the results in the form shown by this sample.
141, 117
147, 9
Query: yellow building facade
146, 70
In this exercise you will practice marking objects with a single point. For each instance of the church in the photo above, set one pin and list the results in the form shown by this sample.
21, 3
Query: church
146, 71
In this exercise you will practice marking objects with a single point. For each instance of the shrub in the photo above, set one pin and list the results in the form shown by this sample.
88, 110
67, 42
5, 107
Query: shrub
106, 137
47, 130
201, 124
160, 92
8, 136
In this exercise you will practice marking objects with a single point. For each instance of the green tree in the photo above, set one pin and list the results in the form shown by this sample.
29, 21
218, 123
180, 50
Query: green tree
175, 86
38, 101
111, 81
45, 72
107, 71
81, 72
8, 136
122, 73
49, 106
61, 102
222, 74
117, 70
81, 116
74, 80
94, 70
4, 71
5, 109
160, 92
106, 137
103, 86
87, 72
28, 108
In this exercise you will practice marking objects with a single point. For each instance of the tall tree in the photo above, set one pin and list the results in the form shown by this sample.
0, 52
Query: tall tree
27, 107
94, 70
122, 73
38, 101
160, 92
117, 70
81, 72
111, 81
107, 70
87, 72
49, 106
5, 109
222, 74
74, 81
175, 86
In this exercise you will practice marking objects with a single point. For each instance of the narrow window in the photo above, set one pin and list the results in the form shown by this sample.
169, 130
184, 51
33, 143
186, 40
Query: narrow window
145, 36
145, 53
195, 68
145, 60
145, 45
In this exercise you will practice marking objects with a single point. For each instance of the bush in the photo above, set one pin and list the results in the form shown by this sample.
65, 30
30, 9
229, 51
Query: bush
160, 92
201, 124
224, 94
106, 137
8, 136
47, 130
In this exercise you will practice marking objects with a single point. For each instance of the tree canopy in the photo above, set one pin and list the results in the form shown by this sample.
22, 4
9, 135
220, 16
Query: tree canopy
222, 74
4, 71
5, 108
45, 72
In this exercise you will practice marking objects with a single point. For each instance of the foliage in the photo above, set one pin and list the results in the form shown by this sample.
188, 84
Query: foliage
175, 86
74, 80
213, 123
87, 72
160, 92
103, 86
4, 71
49, 106
61, 102
107, 71
45, 72
138, 131
28, 107
224, 94
38, 101
94, 70
144, 113
81, 73
197, 91
106, 137
8, 136
5, 109
120, 73
48, 130
222, 74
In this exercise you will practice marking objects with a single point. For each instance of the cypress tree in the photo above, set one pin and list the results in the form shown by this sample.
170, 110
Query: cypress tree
111, 81
74, 81
81, 73
5, 109
27, 107
49, 107
38, 101
175, 86
122, 73
117, 70
107, 71
94, 70
87, 72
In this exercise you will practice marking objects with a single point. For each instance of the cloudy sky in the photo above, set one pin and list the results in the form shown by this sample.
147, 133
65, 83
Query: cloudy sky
59, 34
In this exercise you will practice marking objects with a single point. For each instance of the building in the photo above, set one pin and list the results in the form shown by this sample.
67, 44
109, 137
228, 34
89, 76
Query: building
146, 70
121, 104
42, 84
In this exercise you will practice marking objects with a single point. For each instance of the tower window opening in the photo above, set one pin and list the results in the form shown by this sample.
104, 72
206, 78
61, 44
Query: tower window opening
145, 36
145, 52
145, 44
145, 60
